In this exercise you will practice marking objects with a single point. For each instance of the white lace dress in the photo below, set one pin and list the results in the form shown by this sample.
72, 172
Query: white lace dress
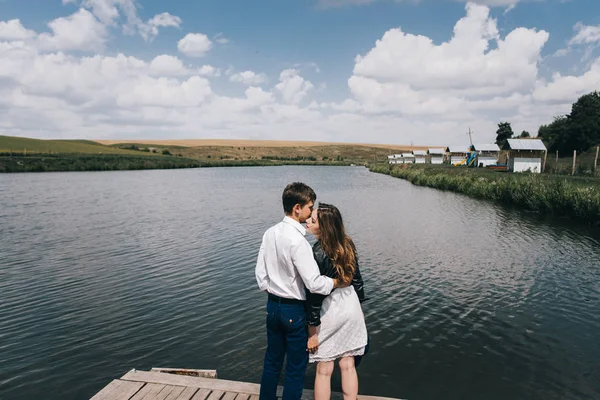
343, 331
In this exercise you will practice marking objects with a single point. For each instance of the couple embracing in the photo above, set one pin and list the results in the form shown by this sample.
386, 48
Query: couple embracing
314, 295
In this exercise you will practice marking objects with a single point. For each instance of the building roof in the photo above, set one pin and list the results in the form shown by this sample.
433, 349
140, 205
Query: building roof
391, 157
421, 153
407, 155
524, 144
458, 149
436, 151
487, 147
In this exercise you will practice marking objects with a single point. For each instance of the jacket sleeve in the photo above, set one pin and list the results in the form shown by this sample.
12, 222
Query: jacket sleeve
358, 284
314, 301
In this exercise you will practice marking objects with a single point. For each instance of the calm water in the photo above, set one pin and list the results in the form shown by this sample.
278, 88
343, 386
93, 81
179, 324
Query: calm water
104, 272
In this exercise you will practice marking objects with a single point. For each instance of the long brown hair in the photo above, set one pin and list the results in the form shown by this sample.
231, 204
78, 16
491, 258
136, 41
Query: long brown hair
338, 246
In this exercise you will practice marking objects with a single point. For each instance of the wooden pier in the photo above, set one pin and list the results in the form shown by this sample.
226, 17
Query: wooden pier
172, 384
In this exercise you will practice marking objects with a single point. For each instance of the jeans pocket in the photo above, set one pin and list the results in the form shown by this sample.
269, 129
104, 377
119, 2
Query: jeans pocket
297, 321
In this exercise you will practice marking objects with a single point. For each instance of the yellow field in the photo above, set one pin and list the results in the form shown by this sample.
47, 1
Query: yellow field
253, 143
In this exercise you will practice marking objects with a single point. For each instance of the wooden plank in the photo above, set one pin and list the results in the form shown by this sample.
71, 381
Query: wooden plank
179, 380
201, 394
229, 396
244, 396
187, 393
175, 393
117, 390
254, 397
216, 395
148, 392
214, 384
162, 395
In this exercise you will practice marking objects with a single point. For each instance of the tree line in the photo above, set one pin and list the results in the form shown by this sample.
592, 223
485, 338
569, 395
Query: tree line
579, 130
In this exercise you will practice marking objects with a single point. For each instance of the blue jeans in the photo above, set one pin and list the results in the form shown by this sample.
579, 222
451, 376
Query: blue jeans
287, 335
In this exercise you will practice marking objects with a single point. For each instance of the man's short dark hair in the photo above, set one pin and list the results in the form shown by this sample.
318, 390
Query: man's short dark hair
297, 193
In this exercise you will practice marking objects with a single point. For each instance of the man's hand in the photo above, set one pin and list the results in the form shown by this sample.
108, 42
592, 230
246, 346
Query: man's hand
313, 339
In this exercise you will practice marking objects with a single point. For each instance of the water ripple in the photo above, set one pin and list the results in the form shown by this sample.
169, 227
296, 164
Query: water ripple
142, 269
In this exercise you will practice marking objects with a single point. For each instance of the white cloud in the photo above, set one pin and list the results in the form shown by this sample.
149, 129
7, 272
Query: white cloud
450, 78
248, 78
150, 30
110, 13
342, 3
585, 34
79, 31
13, 30
292, 87
406, 88
195, 45
167, 65
565, 89
163, 92
221, 39
105, 10
209, 70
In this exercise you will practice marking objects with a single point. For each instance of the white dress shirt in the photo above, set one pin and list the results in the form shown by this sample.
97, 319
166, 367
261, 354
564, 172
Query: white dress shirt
285, 264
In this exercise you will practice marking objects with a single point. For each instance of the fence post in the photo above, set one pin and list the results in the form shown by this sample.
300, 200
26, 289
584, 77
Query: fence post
545, 155
556, 163
574, 161
596, 160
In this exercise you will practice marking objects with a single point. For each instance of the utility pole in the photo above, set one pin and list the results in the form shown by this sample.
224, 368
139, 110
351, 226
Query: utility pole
470, 138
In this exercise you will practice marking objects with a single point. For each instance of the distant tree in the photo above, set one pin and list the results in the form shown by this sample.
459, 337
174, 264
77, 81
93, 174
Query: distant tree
584, 123
503, 133
524, 135
579, 130
166, 152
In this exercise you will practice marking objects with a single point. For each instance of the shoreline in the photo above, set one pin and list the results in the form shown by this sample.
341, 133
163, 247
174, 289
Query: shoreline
115, 162
559, 195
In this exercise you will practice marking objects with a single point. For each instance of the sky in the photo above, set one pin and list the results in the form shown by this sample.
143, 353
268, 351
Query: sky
419, 72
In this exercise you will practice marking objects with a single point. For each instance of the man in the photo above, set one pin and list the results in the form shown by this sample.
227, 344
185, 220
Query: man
284, 268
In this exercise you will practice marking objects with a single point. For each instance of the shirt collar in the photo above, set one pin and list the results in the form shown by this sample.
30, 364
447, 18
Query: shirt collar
295, 224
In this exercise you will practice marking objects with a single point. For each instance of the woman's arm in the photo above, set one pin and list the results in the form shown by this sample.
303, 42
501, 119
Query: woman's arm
358, 284
314, 301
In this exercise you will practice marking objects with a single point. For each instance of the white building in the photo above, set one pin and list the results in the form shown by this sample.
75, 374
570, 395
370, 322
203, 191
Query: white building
436, 156
525, 155
394, 159
420, 156
408, 158
457, 153
487, 154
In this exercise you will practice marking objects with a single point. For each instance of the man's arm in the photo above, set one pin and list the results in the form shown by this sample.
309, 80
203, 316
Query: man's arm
302, 257
261, 269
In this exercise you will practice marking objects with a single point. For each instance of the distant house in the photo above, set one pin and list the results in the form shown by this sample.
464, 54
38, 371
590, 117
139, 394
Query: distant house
395, 159
487, 154
407, 158
526, 155
456, 153
436, 155
420, 156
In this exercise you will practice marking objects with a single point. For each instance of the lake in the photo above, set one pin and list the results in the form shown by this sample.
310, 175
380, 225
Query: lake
102, 272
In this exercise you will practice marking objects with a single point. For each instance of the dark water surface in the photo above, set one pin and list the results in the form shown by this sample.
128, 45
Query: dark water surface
107, 271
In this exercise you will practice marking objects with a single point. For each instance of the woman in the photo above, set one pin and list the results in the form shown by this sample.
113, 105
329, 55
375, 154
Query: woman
337, 329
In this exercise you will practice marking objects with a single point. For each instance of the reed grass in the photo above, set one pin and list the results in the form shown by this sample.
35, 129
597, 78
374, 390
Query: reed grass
542, 193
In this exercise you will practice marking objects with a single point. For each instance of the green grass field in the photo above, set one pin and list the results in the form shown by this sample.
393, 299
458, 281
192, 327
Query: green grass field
19, 145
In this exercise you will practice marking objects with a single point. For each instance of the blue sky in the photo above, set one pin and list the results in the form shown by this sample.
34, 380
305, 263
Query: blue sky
325, 94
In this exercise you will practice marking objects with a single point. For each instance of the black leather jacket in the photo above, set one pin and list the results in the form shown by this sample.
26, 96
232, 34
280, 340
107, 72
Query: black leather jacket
314, 301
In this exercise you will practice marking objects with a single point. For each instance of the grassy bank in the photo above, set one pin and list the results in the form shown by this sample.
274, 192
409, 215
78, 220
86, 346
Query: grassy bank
116, 162
573, 197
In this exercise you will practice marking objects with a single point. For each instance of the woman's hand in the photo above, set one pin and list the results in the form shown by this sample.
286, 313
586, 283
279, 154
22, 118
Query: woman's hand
313, 339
